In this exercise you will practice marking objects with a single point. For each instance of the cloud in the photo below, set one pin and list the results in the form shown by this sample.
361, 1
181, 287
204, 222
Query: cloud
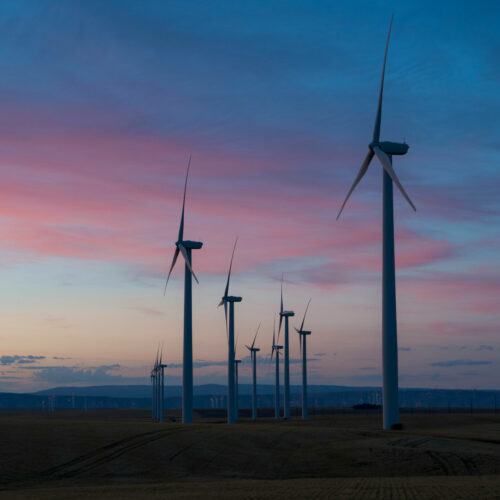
460, 362
484, 347
200, 364
95, 375
9, 360
147, 310
60, 357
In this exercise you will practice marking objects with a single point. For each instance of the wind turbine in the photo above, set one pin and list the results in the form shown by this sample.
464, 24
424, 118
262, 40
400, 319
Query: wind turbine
236, 388
154, 382
384, 151
303, 351
286, 315
253, 358
277, 373
227, 299
153, 395
185, 247
161, 388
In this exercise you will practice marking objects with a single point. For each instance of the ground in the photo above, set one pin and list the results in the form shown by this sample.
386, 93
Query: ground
122, 454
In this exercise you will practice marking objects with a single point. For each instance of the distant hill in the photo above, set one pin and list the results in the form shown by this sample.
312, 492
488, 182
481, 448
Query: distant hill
215, 396
144, 391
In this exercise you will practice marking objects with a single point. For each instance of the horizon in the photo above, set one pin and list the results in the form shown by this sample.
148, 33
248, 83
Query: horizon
276, 106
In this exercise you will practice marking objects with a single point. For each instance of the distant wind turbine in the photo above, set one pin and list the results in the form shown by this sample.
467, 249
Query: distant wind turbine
153, 395
253, 358
154, 385
303, 351
231, 388
276, 348
384, 151
161, 388
286, 315
185, 247
236, 388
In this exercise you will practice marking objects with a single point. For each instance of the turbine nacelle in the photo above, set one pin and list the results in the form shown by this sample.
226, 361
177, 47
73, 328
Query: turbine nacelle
304, 332
191, 245
232, 298
391, 148
287, 314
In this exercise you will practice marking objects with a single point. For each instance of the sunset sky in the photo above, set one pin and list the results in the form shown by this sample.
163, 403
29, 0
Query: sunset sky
101, 104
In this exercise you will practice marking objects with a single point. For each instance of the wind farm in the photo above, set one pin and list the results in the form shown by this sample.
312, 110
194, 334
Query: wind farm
237, 129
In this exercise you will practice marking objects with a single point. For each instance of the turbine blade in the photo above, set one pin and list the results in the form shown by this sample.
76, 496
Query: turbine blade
181, 227
282, 275
378, 118
281, 306
274, 332
253, 343
174, 260
387, 164
304, 318
225, 315
300, 342
361, 173
185, 255
230, 268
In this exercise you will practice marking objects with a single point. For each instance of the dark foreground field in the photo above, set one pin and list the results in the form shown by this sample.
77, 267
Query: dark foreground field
121, 454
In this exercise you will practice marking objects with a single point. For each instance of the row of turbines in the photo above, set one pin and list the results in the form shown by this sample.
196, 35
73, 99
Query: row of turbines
384, 151
158, 386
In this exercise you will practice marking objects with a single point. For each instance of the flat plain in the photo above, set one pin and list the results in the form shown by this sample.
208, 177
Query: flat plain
123, 454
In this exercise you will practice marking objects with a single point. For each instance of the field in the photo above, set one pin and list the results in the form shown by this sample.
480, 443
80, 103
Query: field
122, 454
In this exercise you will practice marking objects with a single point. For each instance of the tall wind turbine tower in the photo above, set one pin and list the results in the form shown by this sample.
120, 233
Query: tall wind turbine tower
276, 373
185, 247
253, 358
286, 383
384, 151
303, 351
231, 388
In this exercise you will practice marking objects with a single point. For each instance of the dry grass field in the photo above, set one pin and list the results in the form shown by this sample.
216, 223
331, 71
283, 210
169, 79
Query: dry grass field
122, 454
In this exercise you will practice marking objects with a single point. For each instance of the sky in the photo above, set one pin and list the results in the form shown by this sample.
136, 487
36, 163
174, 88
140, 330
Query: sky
101, 104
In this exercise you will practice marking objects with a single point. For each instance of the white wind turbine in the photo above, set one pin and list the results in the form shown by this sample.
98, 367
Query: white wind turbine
185, 247
161, 388
286, 383
253, 359
303, 352
231, 389
276, 348
384, 151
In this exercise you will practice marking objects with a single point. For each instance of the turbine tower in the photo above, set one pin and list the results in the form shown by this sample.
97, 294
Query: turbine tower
227, 299
303, 351
286, 315
185, 247
384, 151
253, 359
277, 373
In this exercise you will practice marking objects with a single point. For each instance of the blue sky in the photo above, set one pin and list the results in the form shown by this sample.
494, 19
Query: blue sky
102, 103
